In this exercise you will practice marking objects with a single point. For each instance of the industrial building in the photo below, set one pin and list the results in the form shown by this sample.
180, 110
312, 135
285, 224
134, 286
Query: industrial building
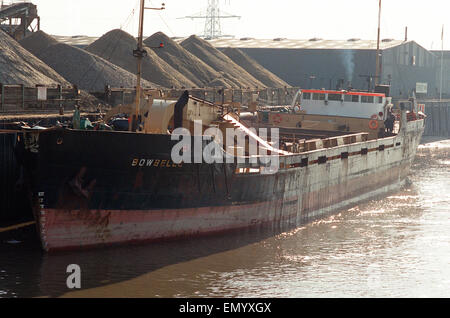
331, 64
443, 72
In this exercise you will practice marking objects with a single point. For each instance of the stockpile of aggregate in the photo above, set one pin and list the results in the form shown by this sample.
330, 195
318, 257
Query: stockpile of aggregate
254, 68
84, 69
117, 47
38, 42
185, 62
18, 66
220, 62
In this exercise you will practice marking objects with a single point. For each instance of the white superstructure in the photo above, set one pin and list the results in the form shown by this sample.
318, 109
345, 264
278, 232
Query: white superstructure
343, 103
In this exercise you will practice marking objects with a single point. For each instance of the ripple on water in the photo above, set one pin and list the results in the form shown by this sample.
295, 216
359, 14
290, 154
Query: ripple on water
395, 246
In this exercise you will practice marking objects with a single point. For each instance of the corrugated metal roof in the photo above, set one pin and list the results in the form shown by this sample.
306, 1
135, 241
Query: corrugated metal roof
77, 40
279, 43
354, 44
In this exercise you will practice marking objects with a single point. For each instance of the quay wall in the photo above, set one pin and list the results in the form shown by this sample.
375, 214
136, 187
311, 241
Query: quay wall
11, 208
437, 122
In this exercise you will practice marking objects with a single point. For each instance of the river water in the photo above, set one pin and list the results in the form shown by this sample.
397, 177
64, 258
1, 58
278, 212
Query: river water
396, 246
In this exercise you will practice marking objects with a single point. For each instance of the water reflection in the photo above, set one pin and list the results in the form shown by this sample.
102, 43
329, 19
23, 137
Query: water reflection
396, 246
31, 273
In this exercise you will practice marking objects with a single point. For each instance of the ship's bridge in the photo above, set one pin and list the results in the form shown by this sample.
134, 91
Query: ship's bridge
344, 103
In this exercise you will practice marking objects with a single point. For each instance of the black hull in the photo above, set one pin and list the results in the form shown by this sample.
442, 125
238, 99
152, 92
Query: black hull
90, 182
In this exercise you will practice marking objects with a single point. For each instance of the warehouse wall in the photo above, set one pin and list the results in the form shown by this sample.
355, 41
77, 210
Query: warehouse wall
405, 65
445, 72
402, 66
328, 67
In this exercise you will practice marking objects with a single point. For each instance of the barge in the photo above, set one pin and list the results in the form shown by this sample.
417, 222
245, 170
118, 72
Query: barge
95, 188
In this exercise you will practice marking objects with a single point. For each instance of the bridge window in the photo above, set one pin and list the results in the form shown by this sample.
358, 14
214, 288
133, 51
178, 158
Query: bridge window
351, 98
367, 99
334, 97
306, 96
318, 96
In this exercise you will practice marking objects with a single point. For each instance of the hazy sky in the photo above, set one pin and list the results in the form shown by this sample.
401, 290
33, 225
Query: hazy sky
263, 19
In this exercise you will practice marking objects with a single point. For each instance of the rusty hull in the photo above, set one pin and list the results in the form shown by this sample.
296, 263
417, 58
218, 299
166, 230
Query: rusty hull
88, 193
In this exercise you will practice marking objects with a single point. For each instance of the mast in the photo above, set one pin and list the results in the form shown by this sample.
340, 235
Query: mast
139, 53
442, 62
377, 71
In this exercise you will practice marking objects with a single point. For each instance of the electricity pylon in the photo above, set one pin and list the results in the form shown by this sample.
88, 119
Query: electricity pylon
212, 20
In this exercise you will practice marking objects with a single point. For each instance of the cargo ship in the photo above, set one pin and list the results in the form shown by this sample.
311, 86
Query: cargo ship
327, 151
97, 187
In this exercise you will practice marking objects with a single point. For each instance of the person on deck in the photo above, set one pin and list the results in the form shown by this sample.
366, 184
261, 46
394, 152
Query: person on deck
389, 122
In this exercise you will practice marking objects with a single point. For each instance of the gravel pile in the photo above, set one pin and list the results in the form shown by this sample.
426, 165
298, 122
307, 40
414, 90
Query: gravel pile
117, 47
84, 69
18, 66
38, 42
185, 62
254, 68
220, 62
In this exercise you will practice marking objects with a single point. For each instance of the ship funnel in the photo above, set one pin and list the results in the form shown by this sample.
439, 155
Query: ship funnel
178, 112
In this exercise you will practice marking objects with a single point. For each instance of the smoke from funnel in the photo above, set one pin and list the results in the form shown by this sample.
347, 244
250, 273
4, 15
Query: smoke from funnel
348, 61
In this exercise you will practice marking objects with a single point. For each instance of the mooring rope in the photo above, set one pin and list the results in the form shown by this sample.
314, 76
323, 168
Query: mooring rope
16, 226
